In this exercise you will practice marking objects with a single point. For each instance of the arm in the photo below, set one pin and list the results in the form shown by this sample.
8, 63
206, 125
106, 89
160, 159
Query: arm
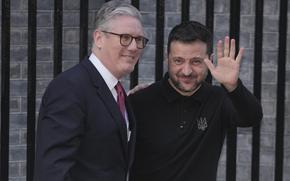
138, 87
243, 107
59, 128
226, 72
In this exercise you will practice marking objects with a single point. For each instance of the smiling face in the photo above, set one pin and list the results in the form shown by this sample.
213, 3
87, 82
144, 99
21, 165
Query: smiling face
186, 66
119, 60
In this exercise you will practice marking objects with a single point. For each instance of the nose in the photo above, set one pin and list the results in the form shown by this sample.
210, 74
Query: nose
133, 45
186, 69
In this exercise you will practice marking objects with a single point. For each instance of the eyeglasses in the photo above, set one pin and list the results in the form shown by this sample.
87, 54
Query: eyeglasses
126, 39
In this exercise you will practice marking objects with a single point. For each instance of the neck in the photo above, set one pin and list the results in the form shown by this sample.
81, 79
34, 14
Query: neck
107, 64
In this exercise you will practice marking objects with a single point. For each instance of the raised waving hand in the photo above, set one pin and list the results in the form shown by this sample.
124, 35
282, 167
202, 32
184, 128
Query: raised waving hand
226, 71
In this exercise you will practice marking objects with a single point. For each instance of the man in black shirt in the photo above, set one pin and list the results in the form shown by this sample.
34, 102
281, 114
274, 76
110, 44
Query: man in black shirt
182, 120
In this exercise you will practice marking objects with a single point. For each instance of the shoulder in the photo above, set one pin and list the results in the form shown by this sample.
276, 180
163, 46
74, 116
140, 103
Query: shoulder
211, 93
71, 80
214, 89
147, 94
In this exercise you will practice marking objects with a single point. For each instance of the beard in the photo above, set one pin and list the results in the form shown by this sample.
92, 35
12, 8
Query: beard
178, 85
195, 82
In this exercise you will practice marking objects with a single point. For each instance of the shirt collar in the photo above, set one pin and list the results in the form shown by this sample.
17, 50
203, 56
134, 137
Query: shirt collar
171, 94
108, 77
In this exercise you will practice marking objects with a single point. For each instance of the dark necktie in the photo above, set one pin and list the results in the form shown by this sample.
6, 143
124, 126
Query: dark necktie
121, 98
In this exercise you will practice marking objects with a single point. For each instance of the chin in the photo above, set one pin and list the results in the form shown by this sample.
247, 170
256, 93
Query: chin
189, 88
128, 70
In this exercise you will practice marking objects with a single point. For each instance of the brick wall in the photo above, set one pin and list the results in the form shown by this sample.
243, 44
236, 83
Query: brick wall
45, 8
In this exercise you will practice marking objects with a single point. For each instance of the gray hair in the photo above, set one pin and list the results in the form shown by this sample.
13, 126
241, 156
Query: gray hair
112, 9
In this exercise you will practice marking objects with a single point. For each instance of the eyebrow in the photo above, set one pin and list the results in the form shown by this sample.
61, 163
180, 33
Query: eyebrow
196, 57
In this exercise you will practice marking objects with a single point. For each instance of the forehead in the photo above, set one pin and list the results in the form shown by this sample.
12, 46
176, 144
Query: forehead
188, 49
126, 25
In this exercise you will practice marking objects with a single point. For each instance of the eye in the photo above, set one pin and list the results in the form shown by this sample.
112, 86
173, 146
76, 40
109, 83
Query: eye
196, 61
126, 37
178, 61
139, 39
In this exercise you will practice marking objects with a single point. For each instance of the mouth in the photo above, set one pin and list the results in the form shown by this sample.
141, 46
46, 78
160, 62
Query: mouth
129, 56
187, 79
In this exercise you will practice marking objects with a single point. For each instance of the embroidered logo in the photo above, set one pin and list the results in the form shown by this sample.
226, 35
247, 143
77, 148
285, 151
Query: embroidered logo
201, 123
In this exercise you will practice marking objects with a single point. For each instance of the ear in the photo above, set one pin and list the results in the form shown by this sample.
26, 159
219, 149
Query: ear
166, 60
97, 36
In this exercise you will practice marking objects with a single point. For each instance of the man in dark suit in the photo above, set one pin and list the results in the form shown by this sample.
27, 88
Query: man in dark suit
84, 131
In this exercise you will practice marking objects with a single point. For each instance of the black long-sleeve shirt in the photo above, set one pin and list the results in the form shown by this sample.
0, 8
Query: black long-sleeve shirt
180, 138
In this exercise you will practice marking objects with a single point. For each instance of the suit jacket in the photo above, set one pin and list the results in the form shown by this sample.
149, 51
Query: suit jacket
82, 135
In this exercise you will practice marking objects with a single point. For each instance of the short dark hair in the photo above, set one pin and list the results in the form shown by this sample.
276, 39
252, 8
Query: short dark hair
190, 31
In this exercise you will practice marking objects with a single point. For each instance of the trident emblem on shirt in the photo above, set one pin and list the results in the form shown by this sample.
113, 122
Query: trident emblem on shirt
201, 123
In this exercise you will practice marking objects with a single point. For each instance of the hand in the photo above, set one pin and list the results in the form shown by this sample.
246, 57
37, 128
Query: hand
138, 87
227, 69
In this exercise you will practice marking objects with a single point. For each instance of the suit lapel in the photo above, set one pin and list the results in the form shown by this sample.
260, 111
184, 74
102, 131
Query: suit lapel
109, 101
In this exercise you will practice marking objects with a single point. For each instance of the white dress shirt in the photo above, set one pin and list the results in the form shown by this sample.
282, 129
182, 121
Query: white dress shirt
111, 82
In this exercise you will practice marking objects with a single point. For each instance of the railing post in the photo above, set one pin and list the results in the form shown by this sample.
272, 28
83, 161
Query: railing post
5, 90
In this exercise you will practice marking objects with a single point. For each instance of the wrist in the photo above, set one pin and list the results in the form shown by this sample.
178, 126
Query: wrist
231, 87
